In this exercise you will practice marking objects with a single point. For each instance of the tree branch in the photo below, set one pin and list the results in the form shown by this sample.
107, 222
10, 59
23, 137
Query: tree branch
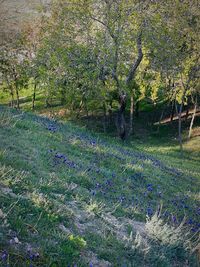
135, 65
104, 24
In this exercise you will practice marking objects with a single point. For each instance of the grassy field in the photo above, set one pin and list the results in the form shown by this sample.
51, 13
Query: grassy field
16, 13
70, 197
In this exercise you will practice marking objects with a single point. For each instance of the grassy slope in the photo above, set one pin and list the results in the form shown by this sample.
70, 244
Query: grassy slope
73, 196
15, 13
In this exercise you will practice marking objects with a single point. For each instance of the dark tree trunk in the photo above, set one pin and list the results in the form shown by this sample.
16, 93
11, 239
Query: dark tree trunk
131, 115
12, 97
33, 98
17, 95
104, 117
11, 103
161, 117
121, 124
137, 106
179, 112
137, 61
131, 76
110, 112
12, 100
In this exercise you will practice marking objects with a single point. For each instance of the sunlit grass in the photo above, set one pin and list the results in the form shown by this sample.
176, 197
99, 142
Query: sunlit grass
61, 174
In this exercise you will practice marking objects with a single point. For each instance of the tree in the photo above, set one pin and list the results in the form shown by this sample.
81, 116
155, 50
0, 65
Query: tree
13, 68
174, 28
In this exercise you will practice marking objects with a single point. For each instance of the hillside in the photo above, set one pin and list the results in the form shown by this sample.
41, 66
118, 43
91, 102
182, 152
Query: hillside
15, 14
72, 197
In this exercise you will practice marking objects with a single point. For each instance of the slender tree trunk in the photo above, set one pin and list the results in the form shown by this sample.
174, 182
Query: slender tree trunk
104, 117
12, 98
179, 112
131, 115
110, 112
187, 113
79, 109
173, 110
137, 106
33, 98
12, 102
192, 120
161, 117
185, 87
11, 92
17, 95
86, 108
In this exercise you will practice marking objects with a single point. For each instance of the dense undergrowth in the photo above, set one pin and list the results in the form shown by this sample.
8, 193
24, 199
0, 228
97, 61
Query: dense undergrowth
69, 197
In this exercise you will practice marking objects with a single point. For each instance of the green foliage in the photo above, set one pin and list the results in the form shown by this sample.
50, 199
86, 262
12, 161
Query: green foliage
81, 56
71, 248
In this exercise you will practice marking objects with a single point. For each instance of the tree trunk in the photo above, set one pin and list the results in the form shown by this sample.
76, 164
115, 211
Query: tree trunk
17, 95
179, 112
104, 117
11, 93
161, 117
33, 98
121, 124
86, 108
110, 112
187, 112
185, 87
192, 120
12, 99
131, 76
137, 106
137, 61
131, 115
173, 110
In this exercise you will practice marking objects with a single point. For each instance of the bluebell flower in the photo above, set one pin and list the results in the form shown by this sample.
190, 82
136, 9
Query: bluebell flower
190, 221
145, 194
149, 187
149, 211
31, 256
4, 255
174, 219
